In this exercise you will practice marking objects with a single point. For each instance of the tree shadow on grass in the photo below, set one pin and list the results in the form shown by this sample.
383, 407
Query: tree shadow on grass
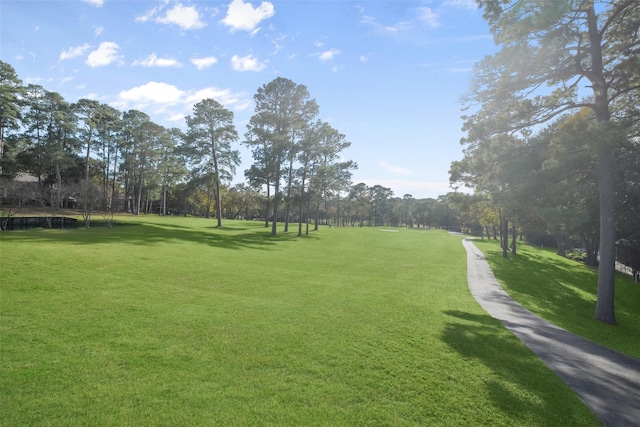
521, 386
564, 293
554, 286
147, 233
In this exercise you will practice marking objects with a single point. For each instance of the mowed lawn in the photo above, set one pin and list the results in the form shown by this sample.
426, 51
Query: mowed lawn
170, 321
564, 292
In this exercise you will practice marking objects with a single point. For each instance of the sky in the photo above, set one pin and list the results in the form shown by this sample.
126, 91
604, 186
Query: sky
389, 75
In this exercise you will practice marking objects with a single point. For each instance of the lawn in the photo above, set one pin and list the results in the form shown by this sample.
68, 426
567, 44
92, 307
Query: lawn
170, 321
563, 291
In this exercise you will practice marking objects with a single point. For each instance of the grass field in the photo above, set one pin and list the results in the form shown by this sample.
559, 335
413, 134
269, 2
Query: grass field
170, 321
564, 292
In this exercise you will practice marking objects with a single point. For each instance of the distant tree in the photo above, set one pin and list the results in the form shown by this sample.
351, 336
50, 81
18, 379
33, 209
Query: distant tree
34, 133
87, 111
141, 142
242, 201
307, 158
171, 164
261, 175
444, 214
331, 175
210, 132
61, 142
359, 199
283, 109
11, 92
406, 217
107, 147
423, 212
380, 204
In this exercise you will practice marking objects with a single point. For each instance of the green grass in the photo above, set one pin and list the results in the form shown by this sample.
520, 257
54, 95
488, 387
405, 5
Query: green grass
170, 321
564, 292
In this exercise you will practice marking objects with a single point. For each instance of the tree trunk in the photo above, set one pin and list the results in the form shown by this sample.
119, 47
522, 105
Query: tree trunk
208, 211
514, 236
267, 209
164, 199
276, 202
504, 237
218, 203
288, 201
300, 218
58, 202
304, 179
139, 197
560, 250
86, 209
605, 307
591, 251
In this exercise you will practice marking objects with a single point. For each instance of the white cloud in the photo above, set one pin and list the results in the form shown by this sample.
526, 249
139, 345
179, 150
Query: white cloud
202, 63
96, 3
177, 117
243, 16
247, 63
174, 103
278, 43
226, 97
318, 43
149, 14
151, 93
363, 58
97, 30
186, 17
428, 16
463, 4
153, 61
394, 169
105, 54
328, 55
72, 52
385, 29
424, 15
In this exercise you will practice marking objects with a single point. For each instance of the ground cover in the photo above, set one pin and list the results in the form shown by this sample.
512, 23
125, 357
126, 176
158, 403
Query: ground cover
172, 321
563, 291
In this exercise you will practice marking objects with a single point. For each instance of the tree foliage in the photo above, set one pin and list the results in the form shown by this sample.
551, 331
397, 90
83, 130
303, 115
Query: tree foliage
210, 132
556, 58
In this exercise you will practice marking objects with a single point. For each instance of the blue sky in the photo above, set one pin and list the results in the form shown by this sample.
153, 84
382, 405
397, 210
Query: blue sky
387, 74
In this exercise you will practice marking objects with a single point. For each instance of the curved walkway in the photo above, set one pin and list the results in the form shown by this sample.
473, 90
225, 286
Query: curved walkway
607, 381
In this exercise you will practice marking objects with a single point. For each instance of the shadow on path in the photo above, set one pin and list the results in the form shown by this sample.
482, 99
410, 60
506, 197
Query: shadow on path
607, 381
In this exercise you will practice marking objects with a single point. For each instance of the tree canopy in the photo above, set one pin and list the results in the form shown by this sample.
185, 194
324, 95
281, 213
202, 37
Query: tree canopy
556, 58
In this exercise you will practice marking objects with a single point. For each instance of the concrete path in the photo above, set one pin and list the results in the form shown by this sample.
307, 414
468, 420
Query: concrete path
608, 382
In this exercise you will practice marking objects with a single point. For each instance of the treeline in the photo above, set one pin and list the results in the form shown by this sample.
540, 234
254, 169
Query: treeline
92, 157
553, 131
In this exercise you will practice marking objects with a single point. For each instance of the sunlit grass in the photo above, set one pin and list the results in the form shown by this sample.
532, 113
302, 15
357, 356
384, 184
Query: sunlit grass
171, 321
564, 292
